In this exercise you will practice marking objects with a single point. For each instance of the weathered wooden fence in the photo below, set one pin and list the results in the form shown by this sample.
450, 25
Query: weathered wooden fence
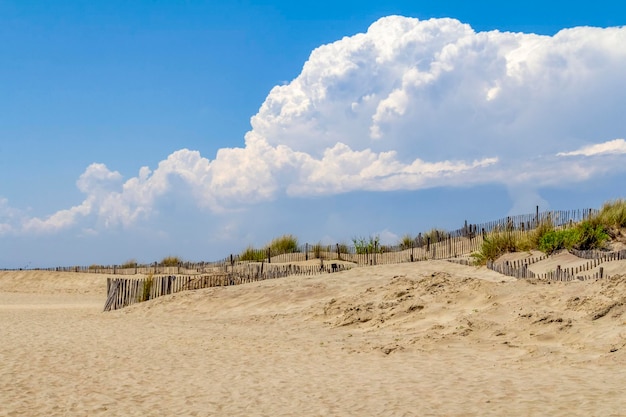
596, 258
122, 292
519, 269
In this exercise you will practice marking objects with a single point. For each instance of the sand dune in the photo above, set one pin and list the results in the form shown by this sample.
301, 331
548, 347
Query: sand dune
428, 338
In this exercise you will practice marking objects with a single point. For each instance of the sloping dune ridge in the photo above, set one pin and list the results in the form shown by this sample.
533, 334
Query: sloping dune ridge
429, 338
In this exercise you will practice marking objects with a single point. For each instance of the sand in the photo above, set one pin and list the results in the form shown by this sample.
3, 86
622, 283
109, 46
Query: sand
423, 339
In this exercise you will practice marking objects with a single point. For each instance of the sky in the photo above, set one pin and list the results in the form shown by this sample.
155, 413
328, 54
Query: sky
139, 130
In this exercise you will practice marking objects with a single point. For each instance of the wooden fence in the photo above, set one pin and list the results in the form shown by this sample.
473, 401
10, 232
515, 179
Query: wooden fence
519, 269
122, 292
595, 260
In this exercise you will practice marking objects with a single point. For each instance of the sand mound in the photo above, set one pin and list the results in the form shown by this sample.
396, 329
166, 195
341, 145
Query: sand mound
429, 338
400, 300
46, 282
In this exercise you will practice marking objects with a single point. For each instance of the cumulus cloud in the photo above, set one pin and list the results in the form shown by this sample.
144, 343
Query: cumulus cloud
612, 147
58, 221
407, 105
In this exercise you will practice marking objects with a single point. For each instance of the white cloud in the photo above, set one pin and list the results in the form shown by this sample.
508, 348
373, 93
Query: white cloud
407, 105
7, 217
612, 147
60, 220
98, 179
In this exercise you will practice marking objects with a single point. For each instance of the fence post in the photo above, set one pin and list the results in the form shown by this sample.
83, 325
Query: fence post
537, 216
375, 250
306, 251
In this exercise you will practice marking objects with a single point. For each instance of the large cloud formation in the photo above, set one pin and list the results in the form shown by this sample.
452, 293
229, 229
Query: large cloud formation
407, 105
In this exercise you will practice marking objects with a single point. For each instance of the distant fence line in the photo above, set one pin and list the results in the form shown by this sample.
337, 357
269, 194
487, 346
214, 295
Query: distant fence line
435, 244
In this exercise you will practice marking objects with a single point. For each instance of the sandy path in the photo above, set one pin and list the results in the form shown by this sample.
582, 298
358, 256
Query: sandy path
415, 339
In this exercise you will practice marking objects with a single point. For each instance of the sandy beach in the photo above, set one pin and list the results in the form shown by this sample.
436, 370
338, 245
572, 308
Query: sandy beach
418, 339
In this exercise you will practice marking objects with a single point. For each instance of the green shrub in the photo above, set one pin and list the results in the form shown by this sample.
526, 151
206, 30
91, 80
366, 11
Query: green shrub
363, 245
585, 235
591, 236
545, 226
559, 239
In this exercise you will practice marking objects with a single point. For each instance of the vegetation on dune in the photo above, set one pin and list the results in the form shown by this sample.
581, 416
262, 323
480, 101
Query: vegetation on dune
318, 250
613, 215
435, 235
584, 236
592, 233
366, 245
343, 248
284, 244
406, 242
252, 255
278, 246
147, 285
171, 261
131, 263
495, 245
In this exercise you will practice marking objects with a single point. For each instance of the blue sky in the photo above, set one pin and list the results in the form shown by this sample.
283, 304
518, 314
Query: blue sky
146, 129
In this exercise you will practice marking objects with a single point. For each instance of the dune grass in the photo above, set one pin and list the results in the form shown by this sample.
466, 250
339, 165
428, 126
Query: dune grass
284, 244
131, 263
318, 250
171, 261
251, 254
278, 246
406, 242
613, 214
147, 285
435, 235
